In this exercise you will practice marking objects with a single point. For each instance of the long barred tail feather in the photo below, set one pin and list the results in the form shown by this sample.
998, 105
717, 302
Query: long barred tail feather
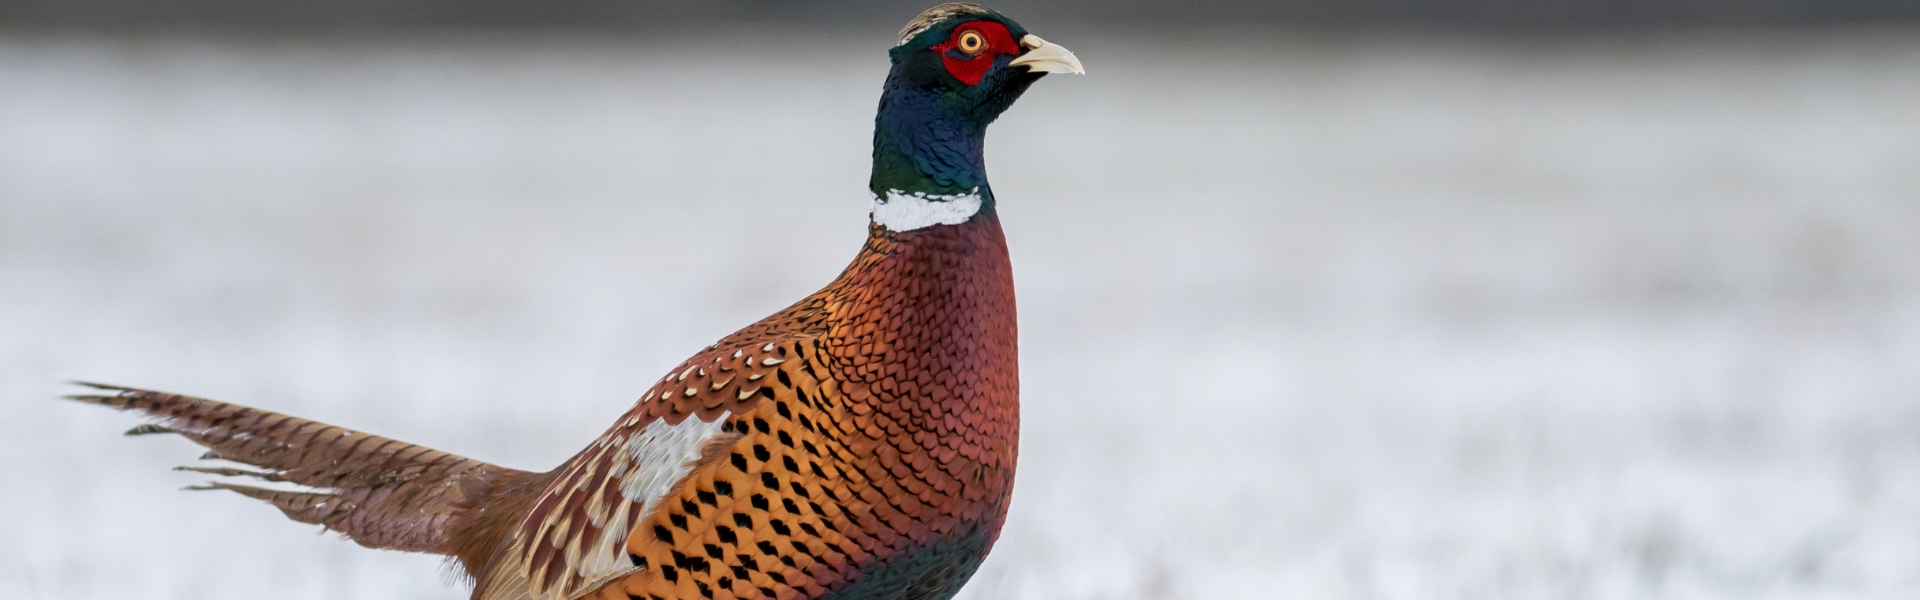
379, 492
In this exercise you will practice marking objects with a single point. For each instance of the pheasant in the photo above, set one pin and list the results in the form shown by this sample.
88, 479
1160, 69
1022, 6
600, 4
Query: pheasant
859, 444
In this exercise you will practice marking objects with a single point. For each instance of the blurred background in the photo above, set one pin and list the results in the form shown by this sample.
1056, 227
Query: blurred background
1555, 299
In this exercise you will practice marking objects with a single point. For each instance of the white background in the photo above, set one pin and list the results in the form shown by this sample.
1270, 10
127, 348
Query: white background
1323, 317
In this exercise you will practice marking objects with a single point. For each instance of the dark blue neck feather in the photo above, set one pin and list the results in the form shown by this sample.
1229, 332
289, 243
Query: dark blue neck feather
923, 142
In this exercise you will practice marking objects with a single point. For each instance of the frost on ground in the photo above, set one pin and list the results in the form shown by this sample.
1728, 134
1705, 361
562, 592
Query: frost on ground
1303, 317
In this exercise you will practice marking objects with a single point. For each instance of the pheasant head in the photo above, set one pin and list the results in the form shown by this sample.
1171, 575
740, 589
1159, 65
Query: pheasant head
956, 68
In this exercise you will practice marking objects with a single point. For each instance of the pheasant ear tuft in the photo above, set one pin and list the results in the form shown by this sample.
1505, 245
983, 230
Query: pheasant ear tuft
934, 17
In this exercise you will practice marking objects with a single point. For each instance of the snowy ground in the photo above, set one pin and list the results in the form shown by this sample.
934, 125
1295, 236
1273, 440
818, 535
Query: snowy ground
1303, 317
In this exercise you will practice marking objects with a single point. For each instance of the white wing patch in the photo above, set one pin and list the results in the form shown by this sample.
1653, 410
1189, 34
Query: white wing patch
901, 211
662, 455
614, 486
665, 454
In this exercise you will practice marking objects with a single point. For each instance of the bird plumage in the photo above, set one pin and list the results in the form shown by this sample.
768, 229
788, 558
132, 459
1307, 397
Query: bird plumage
379, 492
859, 444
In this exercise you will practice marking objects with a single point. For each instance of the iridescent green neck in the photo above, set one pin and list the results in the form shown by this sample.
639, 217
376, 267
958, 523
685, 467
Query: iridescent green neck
924, 144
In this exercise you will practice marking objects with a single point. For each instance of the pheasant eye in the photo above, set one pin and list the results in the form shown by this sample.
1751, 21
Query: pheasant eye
971, 42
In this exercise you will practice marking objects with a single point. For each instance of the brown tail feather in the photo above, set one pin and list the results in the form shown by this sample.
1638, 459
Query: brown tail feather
379, 492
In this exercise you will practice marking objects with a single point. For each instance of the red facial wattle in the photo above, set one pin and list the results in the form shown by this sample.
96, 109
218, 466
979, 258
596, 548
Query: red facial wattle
971, 68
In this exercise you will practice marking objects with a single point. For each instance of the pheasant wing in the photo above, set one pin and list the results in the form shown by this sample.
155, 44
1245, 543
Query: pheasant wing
575, 538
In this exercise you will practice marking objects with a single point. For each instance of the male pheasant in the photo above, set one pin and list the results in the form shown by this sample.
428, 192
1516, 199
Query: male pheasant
858, 445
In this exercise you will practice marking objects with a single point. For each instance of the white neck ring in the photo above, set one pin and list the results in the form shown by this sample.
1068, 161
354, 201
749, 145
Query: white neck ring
902, 211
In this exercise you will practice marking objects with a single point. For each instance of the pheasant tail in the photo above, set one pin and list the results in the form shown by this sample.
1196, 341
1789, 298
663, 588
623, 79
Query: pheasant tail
379, 492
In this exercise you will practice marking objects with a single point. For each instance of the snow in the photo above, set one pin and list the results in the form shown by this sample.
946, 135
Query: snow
1303, 315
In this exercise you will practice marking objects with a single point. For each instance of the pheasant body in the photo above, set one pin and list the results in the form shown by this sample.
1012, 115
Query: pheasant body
842, 441
858, 445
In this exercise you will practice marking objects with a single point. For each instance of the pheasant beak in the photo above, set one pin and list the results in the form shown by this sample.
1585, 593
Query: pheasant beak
1047, 57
